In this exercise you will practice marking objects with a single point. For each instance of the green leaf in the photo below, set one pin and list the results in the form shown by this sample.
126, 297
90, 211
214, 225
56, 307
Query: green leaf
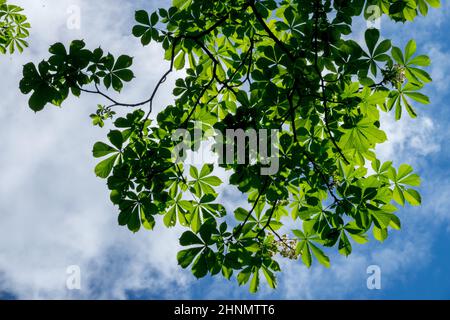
58, 49
404, 176
181, 4
148, 222
413, 197
104, 168
363, 136
270, 277
134, 221
380, 234
254, 283
345, 247
214, 181
419, 97
141, 16
206, 170
398, 195
395, 223
434, 3
196, 221
244, 276
422, 61
116, 138
320, 256
200, 266
154, 18
185, 257
180, 61
398, 55
372, 36
383, 47
306, 255
411, 180
359, 238
299, 234
39, 99
102, 149
194, 172
410, 49
240, 214
170, 218
123, 62
382, 218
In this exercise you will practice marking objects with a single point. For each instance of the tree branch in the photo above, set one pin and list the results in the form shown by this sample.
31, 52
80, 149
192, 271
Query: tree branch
241, 226
322, 83
270, 33
281, 239
269, 220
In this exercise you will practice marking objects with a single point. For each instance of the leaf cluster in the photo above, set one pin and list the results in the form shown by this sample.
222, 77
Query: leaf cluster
287, 65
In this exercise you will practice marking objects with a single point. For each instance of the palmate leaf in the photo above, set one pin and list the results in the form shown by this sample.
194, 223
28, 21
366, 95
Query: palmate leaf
413, 74
178, 210
376, 51
306, 246
101, 149
403, 178
203, 183
204, 209
202, 258
117, 71
146, 28
400, 98
137, 211
363, 136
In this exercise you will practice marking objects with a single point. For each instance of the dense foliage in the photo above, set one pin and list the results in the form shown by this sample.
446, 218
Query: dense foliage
288, 65
14, 28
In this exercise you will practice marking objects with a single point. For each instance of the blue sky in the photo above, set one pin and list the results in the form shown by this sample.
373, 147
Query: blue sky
55, 213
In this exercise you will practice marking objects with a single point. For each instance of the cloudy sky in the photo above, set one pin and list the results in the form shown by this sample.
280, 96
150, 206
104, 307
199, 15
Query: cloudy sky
54, 212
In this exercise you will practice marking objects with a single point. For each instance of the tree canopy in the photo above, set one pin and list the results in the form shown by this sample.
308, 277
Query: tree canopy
289, 65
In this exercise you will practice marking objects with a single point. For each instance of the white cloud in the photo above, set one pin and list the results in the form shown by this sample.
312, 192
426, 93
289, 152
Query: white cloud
440, 67
409, 140
54, 212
